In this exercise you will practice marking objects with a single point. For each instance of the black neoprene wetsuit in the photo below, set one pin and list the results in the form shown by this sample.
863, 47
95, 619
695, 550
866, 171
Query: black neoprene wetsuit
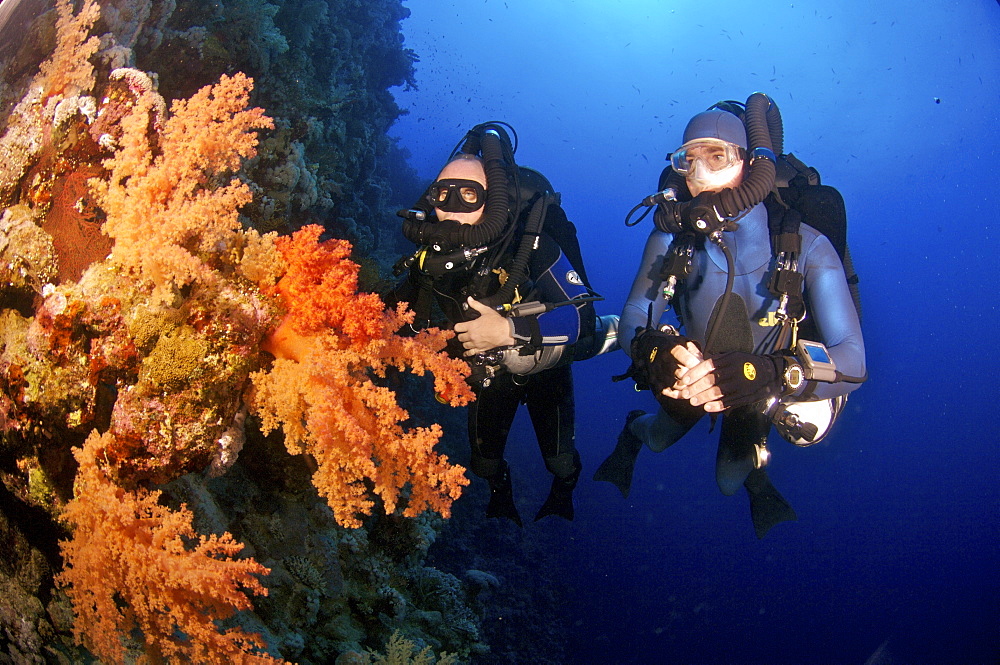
548, 394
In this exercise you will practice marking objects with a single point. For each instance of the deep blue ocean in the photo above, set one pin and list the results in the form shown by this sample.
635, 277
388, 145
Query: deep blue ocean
896, 553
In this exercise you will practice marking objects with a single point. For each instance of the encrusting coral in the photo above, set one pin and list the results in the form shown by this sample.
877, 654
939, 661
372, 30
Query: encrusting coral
141, 365
398, 651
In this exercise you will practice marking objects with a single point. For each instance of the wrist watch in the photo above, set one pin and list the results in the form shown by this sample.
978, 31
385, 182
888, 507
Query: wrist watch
793, 377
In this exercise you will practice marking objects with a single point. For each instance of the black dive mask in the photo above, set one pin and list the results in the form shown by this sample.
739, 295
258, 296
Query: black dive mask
456, 195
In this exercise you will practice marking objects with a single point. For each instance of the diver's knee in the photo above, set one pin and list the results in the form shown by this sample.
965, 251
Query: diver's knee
728, 486
486, 467
564, 465
730, 475
657, 430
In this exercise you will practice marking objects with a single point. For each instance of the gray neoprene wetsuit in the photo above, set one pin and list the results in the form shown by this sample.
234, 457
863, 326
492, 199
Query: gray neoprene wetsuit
826, 289
827, 295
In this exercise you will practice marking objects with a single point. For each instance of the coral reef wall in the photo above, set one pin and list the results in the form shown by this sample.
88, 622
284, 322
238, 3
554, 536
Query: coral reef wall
206, 446
324, 69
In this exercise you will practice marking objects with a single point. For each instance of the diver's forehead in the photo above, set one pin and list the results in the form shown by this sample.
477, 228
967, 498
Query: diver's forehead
464, 169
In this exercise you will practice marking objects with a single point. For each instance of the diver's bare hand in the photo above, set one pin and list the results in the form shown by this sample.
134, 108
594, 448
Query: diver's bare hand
487, 332
695, 380
687, 356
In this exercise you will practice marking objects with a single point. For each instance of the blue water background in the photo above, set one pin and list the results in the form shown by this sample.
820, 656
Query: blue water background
894, 558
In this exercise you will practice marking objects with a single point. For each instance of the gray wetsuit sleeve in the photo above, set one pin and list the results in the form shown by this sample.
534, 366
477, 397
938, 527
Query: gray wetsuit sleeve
645, 290
832, 308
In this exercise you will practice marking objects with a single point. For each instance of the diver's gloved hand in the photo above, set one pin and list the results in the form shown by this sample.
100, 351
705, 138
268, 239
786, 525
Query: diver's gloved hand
487, 331
746, 378
653, 364
731, 379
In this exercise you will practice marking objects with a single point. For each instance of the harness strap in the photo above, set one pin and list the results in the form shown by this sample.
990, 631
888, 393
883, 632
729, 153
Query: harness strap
785, 282
677, 264
535, 343
424, 302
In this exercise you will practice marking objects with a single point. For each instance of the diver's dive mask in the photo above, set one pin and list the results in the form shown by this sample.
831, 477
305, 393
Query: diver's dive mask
456, 195
713, 154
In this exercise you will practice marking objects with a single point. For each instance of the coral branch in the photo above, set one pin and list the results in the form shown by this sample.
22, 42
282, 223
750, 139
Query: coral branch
332, 347
155, 344
133, 563
69, 71
171, 221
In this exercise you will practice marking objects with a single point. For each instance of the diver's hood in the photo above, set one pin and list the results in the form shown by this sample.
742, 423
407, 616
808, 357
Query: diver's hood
760, 133
491, 142
716, 124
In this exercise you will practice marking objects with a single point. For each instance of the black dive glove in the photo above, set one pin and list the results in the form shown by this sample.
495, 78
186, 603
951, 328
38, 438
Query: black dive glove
653, 364
654, 367
747, 378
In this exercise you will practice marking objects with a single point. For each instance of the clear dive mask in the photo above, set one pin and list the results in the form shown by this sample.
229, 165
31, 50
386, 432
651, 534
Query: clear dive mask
713, 154
456, 195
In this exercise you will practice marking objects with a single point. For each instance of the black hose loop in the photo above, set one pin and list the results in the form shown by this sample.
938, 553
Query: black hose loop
759, 180
449, 234
724, 305
519, 266
775, 128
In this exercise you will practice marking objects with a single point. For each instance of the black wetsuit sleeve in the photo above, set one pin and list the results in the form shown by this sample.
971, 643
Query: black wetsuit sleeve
405, 290
554, 281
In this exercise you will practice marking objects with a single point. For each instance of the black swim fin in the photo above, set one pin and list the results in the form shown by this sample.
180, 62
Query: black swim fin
502, 497
617, 468
560, 499
767, 506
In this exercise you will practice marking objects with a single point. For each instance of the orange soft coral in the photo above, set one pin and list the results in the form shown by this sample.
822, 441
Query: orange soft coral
331, 347
172, 223
69, 71
133, 563
320, 291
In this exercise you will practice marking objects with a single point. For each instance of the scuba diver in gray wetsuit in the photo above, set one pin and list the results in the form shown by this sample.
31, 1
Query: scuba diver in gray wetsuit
771, 323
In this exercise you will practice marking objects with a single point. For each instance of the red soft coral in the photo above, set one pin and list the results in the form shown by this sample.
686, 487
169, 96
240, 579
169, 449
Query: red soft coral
331, 346
171, 221
319, 291
69, 71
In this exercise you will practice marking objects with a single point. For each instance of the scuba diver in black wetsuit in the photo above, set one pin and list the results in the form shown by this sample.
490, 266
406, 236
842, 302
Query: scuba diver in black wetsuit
770, 318
489, 260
